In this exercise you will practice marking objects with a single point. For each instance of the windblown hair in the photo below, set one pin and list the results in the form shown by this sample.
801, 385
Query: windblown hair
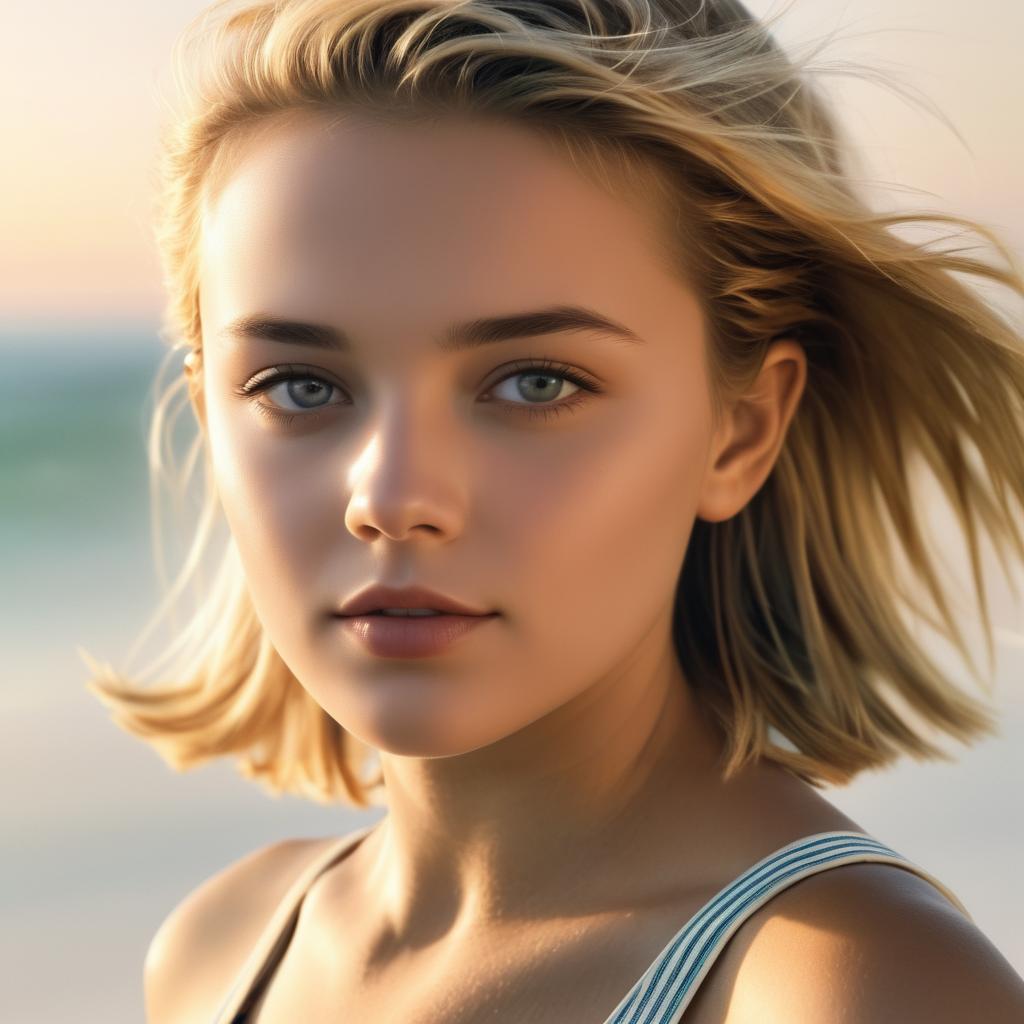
787, 616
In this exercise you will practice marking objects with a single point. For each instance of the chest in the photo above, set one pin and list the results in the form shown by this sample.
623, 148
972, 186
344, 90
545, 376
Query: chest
559, 973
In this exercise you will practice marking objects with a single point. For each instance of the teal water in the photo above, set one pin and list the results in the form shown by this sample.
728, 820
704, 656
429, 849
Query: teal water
72, 429
74, 493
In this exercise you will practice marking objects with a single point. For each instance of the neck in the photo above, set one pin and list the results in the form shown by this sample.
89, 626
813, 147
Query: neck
592, 794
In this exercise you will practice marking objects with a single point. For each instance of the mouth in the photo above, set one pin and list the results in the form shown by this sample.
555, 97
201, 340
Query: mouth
434, 615
409, 636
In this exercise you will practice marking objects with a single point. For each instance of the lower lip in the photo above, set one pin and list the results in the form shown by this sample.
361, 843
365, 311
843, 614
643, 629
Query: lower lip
393, 636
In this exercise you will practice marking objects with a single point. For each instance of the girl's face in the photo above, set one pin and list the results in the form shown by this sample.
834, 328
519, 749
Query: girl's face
565, 507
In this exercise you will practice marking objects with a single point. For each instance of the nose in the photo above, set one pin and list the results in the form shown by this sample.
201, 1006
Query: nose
409, 476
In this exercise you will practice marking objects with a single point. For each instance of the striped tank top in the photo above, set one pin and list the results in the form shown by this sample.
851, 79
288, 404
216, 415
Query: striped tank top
662, 993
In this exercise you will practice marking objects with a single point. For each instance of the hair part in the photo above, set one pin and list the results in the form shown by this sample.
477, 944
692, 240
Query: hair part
787, 617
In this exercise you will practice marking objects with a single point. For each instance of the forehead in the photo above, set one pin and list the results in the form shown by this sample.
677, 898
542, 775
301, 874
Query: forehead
342, 212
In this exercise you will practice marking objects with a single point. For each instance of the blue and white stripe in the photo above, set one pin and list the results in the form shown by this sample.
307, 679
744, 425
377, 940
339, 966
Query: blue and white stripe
662, 993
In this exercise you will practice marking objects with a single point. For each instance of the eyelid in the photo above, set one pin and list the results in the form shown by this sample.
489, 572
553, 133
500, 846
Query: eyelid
553, 366
285, 371
278, 372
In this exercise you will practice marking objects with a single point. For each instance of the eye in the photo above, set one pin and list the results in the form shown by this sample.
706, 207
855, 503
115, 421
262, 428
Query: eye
304, 393
544, 379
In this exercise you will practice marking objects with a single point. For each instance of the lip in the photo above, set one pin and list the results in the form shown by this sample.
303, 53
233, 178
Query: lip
377, 596
408, 637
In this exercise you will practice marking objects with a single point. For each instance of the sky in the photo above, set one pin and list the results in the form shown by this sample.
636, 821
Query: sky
84, 81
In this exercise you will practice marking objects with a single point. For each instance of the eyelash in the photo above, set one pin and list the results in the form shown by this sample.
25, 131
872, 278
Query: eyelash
543, 367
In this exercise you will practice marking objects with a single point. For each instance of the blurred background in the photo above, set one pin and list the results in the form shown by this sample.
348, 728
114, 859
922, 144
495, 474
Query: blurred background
102, 838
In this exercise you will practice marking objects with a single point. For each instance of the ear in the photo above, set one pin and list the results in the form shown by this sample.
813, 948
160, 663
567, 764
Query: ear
194, 375
753, 428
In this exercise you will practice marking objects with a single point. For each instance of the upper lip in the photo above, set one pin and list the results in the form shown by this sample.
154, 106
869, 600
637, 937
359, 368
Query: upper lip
377, 596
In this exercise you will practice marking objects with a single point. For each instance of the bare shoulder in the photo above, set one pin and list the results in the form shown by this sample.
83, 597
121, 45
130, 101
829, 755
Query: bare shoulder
863, 943
204, 941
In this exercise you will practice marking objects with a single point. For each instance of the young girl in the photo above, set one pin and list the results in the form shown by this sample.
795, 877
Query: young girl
560, 394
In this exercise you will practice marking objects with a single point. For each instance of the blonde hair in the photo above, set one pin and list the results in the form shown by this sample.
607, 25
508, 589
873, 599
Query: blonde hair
787, 614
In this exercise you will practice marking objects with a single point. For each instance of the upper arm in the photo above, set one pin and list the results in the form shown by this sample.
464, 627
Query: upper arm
204, 940
865, 944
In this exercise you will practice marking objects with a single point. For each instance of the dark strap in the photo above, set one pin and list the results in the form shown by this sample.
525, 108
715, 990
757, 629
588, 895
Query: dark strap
277, 934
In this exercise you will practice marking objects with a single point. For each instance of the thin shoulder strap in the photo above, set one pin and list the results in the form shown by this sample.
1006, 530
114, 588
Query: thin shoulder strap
279, 928
662, 993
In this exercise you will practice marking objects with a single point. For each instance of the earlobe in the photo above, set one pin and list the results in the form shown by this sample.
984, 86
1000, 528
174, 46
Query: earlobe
193, 373
718, 500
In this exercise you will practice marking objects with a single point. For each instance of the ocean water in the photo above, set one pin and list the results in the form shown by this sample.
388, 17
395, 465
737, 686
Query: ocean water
102, 838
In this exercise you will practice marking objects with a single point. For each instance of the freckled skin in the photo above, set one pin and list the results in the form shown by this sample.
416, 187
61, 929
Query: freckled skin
556, 749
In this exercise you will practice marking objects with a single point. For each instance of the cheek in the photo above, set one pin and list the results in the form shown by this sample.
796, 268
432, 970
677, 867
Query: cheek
593, 536
276, 504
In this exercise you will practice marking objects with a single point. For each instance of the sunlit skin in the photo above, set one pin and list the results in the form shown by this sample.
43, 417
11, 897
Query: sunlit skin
553, 759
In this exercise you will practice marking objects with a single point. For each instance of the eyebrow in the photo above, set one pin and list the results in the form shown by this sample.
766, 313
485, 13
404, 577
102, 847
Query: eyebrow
470, 334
